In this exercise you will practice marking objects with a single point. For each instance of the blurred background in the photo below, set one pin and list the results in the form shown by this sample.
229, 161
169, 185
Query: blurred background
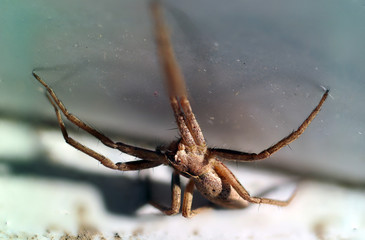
254, 71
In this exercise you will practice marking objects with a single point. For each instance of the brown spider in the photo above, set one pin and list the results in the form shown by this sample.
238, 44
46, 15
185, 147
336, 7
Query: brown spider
189, 156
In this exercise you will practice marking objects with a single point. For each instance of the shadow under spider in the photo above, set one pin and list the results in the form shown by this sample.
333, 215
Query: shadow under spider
121, 195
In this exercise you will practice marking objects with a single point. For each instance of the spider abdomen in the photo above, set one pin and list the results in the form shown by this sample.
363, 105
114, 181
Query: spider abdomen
218, 191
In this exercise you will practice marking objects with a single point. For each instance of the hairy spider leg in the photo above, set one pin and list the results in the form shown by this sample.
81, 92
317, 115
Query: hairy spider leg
175, 197
243, 156
227, 175
150, 158
188, 126
188, 201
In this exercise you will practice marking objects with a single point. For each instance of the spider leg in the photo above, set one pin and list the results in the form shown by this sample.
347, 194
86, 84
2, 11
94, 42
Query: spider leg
128, 166
188, 201
131, 150
186, 121
227, 175
242, 156
175, 197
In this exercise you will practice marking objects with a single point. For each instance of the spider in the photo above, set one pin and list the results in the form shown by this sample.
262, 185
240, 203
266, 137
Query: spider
189, 156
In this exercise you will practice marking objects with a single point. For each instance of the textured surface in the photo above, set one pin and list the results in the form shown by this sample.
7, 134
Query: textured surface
56, 191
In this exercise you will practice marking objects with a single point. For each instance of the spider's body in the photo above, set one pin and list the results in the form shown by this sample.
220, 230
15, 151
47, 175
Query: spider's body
199, 167
218, 190
190, 156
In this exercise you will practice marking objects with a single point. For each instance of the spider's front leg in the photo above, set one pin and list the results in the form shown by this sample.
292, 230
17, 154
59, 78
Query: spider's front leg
189, 156
188, 126
150, 158
128, 166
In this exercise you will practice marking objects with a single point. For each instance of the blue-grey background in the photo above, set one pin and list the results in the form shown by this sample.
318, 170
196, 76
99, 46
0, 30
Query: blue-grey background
254, 71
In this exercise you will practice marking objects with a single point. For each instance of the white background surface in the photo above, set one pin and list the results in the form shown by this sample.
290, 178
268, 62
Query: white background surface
57, 196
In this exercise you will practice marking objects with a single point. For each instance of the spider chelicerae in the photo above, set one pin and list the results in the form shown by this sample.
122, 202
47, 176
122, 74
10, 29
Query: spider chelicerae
189, 156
